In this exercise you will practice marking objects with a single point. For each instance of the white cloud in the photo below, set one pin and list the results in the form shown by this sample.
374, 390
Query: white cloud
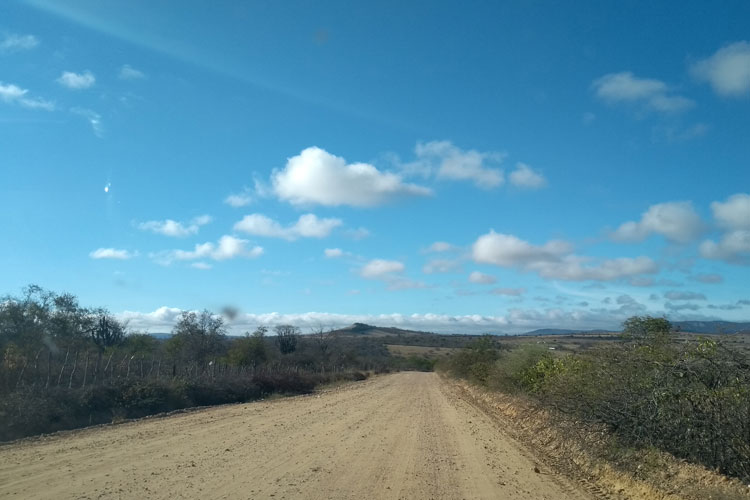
77, 81
576, 268
554, 259
112, 253
727, 71
307, 226
333, 253
94, 119
238, 200
485, 279
201, 265
625, 87
677, 221
524, 176
509, 251
175, 229
16, 43
380, 268
733, 247
127, 72
733, 216
160, 320
733, 213
13, 94
318, 177
228, 247
441, 266
446, 161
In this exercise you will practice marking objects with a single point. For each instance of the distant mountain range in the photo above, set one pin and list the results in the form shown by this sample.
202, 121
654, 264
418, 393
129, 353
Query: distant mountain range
704, 327
711, 326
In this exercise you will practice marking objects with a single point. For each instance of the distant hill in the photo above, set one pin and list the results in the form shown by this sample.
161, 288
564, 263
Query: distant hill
711, 327
362, 329
161, 335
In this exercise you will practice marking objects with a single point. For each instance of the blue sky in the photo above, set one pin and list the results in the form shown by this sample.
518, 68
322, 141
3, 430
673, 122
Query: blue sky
471, 167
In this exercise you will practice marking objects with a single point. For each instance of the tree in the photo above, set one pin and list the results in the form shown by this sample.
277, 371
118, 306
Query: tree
286, 338
647, 330
250, 349
323, 339
197, 337
105, 330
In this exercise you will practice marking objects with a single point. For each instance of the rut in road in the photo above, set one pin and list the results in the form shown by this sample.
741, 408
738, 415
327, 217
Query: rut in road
401, 436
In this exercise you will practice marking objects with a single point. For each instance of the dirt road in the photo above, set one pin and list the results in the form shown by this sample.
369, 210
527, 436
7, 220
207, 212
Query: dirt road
401, 436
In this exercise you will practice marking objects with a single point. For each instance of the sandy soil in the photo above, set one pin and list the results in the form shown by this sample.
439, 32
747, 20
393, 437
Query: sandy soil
401, 436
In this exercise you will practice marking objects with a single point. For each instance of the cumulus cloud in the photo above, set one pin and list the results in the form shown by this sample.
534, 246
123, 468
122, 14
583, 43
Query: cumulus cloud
554, 259
127, 72
481, 278
733, 216
318, 177
526, 177
734, 213
510, 251
676, 295
175, 229
16, 43
652, 94
77, 81
446, 161
112, 253
13, 94
576, 268
677, 221
733, 247
727, 70
380, 268
228, 247
307, 226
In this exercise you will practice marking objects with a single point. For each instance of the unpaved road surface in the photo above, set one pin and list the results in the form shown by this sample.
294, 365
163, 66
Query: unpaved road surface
401, 436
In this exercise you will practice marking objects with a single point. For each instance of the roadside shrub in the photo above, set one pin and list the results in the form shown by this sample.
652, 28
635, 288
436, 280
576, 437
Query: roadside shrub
475, 362
507, 374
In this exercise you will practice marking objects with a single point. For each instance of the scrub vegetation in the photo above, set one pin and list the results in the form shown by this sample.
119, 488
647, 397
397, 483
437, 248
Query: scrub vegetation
651, 389
65, 366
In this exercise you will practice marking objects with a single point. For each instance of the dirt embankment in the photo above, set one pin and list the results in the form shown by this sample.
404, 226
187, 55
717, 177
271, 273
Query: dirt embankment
402, 436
